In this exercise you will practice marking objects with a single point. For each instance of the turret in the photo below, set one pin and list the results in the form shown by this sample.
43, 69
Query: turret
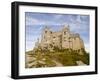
65, 32
66, 28
45, 33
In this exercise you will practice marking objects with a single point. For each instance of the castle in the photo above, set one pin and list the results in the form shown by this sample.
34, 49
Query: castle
62, 39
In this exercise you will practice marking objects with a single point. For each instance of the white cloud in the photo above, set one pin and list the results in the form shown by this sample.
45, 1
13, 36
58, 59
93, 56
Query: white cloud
33, 21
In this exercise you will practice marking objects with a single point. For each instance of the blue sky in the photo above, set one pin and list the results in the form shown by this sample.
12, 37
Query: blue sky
35, 22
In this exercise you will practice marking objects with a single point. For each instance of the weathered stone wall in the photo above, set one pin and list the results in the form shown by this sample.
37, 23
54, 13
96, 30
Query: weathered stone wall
62, 39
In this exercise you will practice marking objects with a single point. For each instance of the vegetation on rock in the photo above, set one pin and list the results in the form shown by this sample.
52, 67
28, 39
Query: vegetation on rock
56, 58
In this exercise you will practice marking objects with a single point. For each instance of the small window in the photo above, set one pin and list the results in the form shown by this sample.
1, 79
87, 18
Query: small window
54, 37
53, 43
64, 33
45, 31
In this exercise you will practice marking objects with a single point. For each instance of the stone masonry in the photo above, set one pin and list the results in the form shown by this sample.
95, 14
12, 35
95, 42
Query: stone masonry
62, 39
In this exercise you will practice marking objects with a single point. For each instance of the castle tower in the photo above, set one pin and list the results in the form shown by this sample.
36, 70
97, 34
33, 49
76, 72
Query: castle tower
45, 33
65, 36
78, 42
62, 39
46, 37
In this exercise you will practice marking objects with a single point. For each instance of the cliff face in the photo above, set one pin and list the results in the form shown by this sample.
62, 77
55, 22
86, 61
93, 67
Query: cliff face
61, 39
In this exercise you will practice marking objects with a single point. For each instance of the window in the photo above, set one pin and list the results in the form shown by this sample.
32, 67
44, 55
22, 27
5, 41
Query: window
53, 43
64, 33
45, 31
54, 37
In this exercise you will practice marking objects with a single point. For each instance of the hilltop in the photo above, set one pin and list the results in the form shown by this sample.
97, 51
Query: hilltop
57, 58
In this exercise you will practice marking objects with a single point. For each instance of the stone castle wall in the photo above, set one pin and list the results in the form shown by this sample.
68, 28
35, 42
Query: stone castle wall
61, 39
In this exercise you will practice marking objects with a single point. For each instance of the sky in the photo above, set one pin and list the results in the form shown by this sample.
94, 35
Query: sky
35, 22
